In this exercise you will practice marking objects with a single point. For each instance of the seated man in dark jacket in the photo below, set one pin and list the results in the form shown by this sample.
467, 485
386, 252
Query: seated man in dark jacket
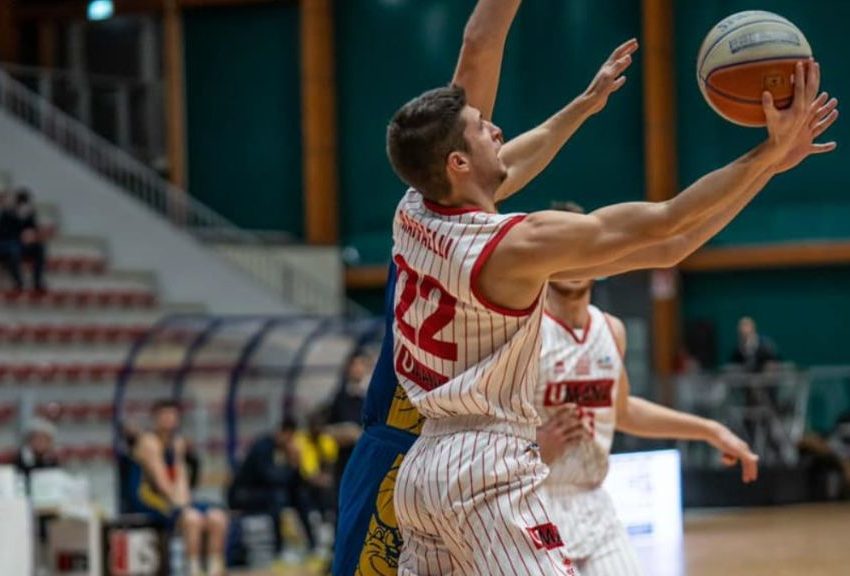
10, 244
268, 479
31, 237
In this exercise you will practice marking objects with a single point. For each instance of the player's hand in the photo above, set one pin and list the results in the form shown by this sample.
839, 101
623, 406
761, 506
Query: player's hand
735, 450
792, 132
610, 77
564, 429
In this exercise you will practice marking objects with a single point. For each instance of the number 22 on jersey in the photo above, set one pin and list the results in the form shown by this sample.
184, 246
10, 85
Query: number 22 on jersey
424, 337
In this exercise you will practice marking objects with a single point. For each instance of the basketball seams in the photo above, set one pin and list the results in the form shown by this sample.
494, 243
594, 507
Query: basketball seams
726, 34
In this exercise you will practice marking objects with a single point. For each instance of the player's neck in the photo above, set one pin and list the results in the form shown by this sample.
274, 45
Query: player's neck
471, 194
573, 312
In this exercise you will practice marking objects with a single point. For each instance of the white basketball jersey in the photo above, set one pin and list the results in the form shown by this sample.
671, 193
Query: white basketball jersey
583, 368
455, 353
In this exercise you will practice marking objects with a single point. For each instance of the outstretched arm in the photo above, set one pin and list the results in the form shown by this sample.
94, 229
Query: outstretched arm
672, 251
580, 246
480, 63
646, 419
530, 153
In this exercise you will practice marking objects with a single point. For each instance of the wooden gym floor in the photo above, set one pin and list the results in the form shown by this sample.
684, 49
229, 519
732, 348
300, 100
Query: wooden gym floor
804, 540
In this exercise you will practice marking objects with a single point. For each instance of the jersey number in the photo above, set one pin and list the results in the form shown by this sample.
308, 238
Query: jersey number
423, 287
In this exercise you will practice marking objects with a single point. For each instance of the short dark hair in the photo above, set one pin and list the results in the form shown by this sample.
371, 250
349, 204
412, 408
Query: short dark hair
422, 134
568, 206
165, 404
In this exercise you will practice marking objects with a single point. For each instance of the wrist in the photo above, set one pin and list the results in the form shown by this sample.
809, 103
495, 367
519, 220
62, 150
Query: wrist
712, 430
769, 154
583, 104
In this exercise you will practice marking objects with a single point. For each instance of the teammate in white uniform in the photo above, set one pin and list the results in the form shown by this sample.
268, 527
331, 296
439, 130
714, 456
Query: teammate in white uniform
468, 307
583, 393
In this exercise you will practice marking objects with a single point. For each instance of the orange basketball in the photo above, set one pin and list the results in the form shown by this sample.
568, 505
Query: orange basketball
744, 55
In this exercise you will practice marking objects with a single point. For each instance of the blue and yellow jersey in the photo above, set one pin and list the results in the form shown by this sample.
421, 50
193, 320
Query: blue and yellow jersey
144, 496
386, 401
368, 540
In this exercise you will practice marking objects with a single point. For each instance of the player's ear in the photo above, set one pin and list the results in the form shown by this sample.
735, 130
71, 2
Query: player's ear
457, 162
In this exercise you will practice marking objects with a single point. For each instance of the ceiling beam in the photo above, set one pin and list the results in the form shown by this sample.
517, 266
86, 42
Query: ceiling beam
785, 255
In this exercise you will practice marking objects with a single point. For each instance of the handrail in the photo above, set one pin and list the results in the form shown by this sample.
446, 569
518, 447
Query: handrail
107, 80
157, 194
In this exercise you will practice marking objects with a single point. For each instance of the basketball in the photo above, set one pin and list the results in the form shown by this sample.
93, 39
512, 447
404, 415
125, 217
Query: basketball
744, 55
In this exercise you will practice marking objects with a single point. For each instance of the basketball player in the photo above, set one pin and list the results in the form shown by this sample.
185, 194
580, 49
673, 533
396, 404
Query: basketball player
468, 306
160, 490
583, 393
368, 542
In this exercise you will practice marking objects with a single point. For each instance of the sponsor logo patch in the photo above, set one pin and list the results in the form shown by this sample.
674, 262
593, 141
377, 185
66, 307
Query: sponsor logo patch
545, 536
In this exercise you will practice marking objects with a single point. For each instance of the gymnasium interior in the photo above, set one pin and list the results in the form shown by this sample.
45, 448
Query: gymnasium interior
214, 226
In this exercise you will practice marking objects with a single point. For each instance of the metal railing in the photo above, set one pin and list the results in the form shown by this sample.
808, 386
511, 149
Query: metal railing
771, 410
126, 111
149, 188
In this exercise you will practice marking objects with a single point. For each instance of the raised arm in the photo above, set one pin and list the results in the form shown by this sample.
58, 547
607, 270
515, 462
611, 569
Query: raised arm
528, 154
646, 419
578, 246
480, 63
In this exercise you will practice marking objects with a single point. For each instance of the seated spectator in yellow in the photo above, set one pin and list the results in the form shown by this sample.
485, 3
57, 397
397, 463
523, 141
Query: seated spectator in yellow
160, 489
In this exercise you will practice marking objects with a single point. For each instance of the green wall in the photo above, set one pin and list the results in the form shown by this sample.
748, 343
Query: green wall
806, 311
243, 114
553, 52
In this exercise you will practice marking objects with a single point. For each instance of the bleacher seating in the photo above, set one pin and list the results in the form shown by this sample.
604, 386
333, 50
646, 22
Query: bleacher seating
66, 346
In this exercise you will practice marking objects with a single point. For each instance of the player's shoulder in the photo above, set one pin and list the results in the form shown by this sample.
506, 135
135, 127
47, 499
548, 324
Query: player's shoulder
148, 445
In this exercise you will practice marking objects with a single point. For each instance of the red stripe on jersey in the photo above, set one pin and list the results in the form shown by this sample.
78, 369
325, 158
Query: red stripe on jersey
485, 254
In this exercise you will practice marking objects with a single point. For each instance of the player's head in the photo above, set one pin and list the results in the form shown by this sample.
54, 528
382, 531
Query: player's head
571, 289
285, 432
746, 328
437, 142
166, 417
40, 434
